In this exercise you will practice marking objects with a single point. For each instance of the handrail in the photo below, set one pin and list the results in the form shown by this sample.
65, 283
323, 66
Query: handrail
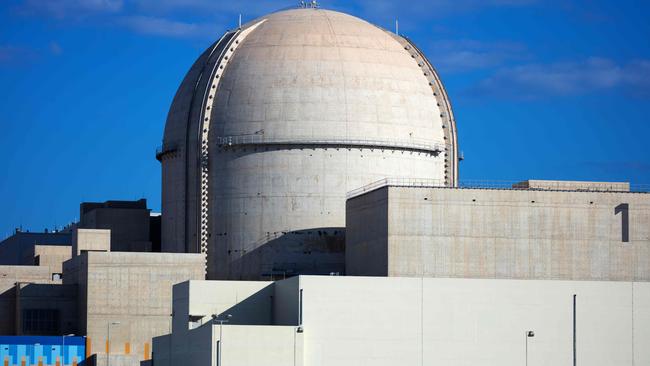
254, 139
492, 184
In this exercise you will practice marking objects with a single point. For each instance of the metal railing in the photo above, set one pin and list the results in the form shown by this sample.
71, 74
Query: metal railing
567, 186
165, 149
260, 139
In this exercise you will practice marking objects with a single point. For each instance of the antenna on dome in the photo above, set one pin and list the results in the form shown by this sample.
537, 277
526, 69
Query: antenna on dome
397, 27
239, 21
309, 4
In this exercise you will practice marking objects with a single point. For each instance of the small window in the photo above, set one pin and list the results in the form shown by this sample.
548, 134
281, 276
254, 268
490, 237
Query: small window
57, 276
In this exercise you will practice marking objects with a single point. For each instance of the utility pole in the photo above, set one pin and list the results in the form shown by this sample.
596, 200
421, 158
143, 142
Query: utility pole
574, 330
108, 342
528, 334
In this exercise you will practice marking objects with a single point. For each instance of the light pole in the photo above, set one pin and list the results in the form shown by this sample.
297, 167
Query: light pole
108, 342
529, 334
63, 346
215, 318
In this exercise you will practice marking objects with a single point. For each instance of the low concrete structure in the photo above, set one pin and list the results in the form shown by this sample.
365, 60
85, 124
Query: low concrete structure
10, 276
35, 266
124, 293
128, 295
332, 320
129, 222
500, 233
90, 240
254, 317
46, 309
51, 256
18, 249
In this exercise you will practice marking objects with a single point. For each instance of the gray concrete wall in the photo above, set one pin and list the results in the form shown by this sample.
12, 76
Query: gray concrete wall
90, 240
75, 273
62, 298
51, 256
129, 227
366, 241
16, 249
286, 302
132, 289
523, 234
9, 276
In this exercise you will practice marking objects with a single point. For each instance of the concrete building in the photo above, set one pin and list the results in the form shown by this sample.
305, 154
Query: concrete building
124, 299
333, 320
130, 293
52, 257
269, 137
534, 230
46, 309
18, 249
10, 278
130, 224
277, 121
32, 260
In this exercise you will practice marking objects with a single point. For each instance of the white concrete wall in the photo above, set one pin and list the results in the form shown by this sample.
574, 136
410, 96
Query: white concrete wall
415, 321
258, 345
251, 306
247, 302
641, 323
430, 321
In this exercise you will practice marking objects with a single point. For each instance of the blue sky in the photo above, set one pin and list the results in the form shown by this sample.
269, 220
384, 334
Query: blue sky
541, 89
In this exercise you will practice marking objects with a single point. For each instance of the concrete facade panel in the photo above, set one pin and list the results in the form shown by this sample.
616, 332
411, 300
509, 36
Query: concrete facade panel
482, 233
9, 277
443, 321
132, 294
91, 240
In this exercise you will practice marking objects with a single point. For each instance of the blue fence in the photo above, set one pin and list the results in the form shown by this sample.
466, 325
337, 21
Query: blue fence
42, 351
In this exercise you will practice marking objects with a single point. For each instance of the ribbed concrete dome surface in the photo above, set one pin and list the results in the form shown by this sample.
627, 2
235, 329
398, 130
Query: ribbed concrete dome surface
277, 121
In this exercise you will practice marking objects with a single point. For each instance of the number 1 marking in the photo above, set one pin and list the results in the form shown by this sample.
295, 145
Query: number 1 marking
624, 209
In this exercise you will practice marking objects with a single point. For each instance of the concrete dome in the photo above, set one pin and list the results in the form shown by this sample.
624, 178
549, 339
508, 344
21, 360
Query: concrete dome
276, 121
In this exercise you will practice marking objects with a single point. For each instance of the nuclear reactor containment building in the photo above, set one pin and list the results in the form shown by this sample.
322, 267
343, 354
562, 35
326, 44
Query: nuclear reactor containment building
276, 121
